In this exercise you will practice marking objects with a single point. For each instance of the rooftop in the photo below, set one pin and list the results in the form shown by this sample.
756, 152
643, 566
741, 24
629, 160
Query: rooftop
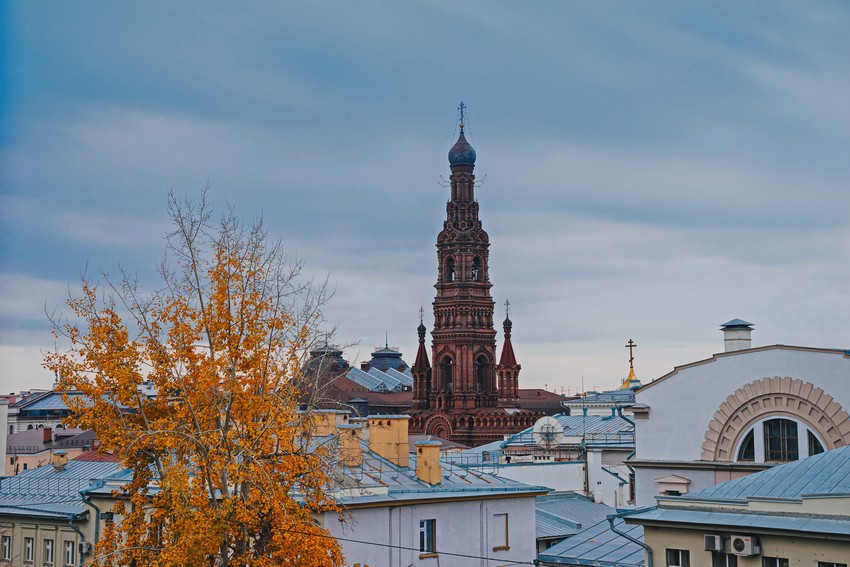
563, 514
599, 546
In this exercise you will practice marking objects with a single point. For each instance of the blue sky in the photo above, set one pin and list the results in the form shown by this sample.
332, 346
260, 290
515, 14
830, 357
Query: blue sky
653, 169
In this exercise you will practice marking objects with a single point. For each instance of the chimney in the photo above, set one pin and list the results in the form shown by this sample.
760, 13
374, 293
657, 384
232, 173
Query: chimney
388, 438
428, 462
4, 428
60, 459
350, 452
326, 422
364, 366
737, 335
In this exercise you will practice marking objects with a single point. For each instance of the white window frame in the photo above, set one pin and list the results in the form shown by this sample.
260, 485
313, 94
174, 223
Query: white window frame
49, 551
758, 438
70, 553
428, 536
774, 562
29, 549
7, 548
683, 557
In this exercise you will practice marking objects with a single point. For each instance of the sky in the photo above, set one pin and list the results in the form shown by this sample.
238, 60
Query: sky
653, 169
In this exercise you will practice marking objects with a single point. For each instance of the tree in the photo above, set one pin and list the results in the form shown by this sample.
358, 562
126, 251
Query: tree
224, 472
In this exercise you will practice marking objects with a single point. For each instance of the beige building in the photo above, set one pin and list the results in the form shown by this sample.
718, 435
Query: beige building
44, 520
792, 515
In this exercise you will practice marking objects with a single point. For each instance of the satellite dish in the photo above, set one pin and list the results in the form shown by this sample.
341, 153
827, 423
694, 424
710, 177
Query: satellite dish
548, 431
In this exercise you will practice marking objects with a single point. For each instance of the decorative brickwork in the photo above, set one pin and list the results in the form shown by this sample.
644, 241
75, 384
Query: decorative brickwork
774, 397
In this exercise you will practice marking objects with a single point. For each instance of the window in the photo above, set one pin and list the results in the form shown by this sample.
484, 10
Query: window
500, 532
447, 373
780, 440
476, 269
29, 544
69, 553
48, 552
774, 562
678, 558
747, 452
830, 564
427, 536
814, 445
7, 548
720, 559
450, 269
480, 369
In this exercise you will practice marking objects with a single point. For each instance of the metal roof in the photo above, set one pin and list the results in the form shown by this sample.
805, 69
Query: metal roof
46, 492
405, 377
599, 430
823, 474
562, 514
737, 323
610, 397
796, 523
392, 384
599, 546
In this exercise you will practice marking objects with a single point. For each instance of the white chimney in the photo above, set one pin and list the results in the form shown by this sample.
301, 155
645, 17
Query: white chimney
737, 335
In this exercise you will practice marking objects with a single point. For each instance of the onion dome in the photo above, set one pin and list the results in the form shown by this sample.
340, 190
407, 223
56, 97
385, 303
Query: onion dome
462, 152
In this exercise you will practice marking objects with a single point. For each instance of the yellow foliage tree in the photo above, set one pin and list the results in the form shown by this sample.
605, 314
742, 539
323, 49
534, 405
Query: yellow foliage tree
223, 472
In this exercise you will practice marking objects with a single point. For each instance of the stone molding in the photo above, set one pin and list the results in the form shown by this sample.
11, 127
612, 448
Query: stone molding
768, 397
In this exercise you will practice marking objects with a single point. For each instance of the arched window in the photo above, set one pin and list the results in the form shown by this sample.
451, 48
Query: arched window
747, 452
450, 269
815, 446
448, 371
480, 369
476, 269
780, 440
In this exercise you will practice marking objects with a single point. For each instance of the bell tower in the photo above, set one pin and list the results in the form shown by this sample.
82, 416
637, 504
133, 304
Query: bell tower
463, 347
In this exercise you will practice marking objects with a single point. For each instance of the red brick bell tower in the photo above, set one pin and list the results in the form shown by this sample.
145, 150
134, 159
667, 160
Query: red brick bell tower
458, 395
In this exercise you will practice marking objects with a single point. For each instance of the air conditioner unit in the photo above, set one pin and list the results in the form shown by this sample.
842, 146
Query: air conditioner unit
85, 548
744, 545
714, 543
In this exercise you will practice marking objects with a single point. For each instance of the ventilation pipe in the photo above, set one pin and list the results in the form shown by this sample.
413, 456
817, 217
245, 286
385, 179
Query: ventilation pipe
428, 467
388, 438
737, 335
350, 452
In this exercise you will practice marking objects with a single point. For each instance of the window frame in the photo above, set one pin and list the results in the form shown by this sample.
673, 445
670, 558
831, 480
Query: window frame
427, 537
831, 564
774, 561
683, 557
49, 548
7, 548
723, 559
781, 440
70, 553
499, 525
29, 549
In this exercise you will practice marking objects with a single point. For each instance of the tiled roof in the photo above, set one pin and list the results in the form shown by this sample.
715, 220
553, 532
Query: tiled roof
598, 546
824, 474
562, 514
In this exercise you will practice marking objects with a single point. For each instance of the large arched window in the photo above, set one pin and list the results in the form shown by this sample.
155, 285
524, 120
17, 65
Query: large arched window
778, 439
449, 275
448, 373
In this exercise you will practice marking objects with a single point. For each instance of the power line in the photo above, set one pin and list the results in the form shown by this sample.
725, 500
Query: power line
464, 555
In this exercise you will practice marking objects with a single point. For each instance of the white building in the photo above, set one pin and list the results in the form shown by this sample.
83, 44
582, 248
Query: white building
738, 412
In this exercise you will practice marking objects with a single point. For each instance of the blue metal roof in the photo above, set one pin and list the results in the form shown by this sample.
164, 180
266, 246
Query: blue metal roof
366, 380
599, 546
392, 384
562, 514
599, 430
405, 377
796, 523
824, 474
46, 492
737, 323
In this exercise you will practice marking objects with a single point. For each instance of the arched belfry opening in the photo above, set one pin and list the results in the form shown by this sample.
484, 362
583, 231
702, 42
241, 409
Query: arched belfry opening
450, 270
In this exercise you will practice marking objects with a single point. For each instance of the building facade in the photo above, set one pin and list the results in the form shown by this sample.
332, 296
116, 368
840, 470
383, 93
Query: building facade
738, 412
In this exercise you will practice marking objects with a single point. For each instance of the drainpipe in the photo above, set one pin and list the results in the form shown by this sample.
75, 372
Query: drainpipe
82, 538
630, 538
87, 501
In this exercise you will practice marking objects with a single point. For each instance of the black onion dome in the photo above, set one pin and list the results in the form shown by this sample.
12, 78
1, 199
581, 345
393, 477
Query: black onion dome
462, 152
508, 323
421, 330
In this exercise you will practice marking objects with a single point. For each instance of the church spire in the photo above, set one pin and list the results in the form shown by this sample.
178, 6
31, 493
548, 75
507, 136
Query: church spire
508, 369
421, 368
632, 380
